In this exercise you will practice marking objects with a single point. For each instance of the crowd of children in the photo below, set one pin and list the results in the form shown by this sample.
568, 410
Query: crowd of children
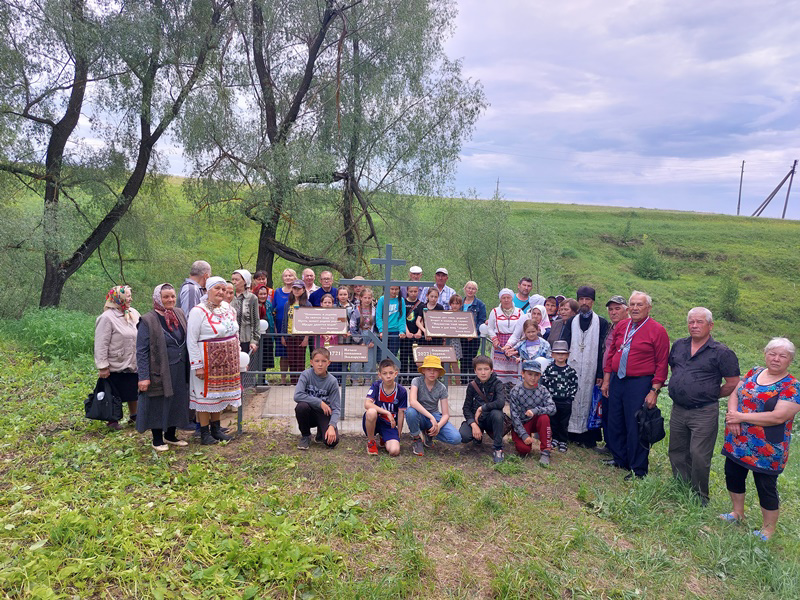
540, 406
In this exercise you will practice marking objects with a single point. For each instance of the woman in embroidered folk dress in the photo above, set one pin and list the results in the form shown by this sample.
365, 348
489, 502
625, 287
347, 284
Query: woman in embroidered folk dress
502, 321
161, 358
213, 344
758, 429
115, 347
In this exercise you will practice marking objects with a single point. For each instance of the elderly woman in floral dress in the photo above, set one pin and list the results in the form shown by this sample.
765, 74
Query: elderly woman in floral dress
758, 429
213, 345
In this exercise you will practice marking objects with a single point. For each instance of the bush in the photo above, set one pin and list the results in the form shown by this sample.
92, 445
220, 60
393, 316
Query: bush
648, 263
52, 333
729, 296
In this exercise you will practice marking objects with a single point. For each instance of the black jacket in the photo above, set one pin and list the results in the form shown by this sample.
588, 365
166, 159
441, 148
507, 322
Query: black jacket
495, 392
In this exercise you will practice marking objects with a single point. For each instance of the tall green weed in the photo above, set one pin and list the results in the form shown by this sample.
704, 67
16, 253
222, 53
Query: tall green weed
52, 333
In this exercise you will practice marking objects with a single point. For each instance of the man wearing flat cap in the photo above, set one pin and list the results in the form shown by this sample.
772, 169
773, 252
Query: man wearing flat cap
585, 333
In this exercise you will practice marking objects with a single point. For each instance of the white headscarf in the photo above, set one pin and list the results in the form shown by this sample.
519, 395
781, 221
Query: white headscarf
505, 291
545, 322
248, 278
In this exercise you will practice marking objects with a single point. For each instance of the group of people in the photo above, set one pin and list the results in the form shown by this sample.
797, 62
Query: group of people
569, 375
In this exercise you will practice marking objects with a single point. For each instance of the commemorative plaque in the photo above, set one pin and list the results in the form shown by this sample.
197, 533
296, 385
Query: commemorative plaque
446, 354
448, 323
320, 321
349, 354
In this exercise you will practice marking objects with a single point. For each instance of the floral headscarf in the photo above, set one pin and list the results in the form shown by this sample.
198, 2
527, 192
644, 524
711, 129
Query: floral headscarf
117, 298
169, 315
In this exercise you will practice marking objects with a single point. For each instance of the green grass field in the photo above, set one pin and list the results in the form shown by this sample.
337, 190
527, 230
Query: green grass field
89, 514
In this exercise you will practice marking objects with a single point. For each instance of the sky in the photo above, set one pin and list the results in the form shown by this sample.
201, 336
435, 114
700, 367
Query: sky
638, 103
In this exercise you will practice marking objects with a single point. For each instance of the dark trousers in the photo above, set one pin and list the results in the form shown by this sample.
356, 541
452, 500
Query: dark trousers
539, 424
393, 342
469, 350
766, 485
559, 422
692, 436
625, 398
491, 423
407, 359
309, 416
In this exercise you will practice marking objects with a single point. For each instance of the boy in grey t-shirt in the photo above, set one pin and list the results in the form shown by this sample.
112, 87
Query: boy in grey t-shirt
426, 397
318, 402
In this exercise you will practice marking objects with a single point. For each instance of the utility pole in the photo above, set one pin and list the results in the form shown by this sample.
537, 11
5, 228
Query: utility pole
791, 178
739, 204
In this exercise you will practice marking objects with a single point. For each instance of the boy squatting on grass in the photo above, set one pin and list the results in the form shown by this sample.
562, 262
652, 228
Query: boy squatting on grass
385, 407
531, 405
318, 402
483, 407
426, 396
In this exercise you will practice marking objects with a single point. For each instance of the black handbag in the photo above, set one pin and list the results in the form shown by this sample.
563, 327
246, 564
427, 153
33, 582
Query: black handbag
651, 426
104, 403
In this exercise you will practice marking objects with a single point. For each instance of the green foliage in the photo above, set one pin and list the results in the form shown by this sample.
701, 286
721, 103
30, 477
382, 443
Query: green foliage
512, 465
648, 263
728, 296
453, 479
53, 333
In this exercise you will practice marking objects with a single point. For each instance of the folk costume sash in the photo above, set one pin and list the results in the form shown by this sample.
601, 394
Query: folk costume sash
583, 358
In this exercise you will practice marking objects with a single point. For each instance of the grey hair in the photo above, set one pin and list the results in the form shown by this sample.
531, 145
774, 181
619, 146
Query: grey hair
781, 342
647, 298
200, 267
705, 312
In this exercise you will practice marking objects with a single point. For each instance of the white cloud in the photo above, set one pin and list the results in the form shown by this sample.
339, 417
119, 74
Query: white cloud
641, 99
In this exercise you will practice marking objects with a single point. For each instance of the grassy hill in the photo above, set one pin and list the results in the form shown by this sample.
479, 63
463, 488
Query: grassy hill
698, 256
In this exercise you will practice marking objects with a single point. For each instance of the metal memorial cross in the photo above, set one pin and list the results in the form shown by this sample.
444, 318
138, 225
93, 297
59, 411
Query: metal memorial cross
386, 283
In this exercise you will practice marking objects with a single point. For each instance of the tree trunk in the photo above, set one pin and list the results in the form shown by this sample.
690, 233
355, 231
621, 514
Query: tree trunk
55, 278
266, 256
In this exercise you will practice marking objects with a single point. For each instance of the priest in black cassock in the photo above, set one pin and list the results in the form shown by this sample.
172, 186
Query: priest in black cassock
585, 333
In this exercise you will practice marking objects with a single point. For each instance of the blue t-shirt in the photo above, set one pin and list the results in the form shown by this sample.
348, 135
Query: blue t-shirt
394, 402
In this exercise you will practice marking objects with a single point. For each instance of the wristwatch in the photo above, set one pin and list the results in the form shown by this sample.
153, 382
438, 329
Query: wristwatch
656, 390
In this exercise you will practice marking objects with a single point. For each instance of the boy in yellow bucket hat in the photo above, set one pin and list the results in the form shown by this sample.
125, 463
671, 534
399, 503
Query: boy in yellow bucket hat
428, 412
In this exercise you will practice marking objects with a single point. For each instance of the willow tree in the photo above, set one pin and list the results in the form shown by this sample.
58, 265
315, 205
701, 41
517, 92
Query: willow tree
127, 68
402, 111
355, 94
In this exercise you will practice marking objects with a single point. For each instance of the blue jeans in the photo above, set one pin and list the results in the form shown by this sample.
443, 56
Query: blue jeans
448, 434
